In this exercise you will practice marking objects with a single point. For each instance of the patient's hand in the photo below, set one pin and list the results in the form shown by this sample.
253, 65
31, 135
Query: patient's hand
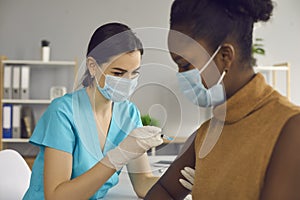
189, 174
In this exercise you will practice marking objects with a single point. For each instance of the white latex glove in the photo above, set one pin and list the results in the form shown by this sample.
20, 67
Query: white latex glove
189, 174
134, 145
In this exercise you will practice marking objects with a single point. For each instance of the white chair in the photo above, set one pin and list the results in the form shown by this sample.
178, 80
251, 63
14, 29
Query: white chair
14, 175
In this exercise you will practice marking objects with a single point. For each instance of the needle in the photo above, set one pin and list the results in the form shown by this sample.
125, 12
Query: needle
166, 137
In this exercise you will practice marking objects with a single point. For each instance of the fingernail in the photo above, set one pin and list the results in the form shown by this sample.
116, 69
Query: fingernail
188, 169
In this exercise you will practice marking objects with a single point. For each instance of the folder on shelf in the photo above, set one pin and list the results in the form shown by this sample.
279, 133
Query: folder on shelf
25, 77
7, 83
16, 82
27, 122
16, 121
7, 121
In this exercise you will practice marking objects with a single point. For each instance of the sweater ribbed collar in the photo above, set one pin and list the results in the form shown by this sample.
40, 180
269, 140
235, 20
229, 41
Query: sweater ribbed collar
245, 101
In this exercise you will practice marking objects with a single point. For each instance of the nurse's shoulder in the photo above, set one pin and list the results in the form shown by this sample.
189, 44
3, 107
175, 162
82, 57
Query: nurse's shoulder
61, 103
127, 106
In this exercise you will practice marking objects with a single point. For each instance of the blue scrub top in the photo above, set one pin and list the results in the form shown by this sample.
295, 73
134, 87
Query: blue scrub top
69, 125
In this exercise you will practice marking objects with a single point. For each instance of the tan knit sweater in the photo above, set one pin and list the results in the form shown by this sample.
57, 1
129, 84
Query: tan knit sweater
235, 168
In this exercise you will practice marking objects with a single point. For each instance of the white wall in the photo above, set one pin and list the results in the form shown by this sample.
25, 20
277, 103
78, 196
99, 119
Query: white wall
282, 42
69, 24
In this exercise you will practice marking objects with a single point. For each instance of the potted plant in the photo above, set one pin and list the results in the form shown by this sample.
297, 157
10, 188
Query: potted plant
147, 120
257, 49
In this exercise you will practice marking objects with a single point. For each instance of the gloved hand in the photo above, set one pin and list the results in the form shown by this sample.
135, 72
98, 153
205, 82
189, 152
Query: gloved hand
134, 145
189, 174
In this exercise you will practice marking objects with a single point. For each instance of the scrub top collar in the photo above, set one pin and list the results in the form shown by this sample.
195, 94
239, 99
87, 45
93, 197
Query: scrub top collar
85, 123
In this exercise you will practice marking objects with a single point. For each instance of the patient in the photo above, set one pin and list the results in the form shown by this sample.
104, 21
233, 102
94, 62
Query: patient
255, 156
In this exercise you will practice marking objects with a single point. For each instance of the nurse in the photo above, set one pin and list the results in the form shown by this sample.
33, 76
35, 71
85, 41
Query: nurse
87, 136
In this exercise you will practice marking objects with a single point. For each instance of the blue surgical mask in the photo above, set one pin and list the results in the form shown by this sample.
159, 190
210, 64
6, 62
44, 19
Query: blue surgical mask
190, 84
117, 89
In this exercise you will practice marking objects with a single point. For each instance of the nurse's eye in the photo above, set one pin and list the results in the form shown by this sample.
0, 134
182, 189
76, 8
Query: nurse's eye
117, 71
118, 74
135, 73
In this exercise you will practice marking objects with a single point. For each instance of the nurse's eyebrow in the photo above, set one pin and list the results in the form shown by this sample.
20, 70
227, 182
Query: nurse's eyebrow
120, 69
137, 69
123, 70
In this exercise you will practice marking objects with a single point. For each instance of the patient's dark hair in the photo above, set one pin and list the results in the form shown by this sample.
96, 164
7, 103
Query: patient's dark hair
213, 21
110, 40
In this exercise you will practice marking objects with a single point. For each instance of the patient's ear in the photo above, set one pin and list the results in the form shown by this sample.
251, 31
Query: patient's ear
226, 56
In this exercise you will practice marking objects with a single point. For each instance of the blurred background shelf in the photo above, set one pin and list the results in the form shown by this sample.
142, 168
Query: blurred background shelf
38, 63
42, 77
272, 71
27, 101
15, 140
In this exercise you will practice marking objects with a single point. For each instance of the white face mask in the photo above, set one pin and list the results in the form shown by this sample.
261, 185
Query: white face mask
190, 84
117, 89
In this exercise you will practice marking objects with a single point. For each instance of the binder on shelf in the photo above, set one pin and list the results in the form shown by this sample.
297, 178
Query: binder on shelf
16, 82
7, 83
27, 122
25, 79
7, 121
16, 121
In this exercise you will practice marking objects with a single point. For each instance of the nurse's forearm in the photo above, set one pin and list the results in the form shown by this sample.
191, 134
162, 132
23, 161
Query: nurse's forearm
83, 186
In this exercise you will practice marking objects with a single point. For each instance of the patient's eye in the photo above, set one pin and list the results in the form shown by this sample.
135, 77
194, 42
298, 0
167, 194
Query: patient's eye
184, 67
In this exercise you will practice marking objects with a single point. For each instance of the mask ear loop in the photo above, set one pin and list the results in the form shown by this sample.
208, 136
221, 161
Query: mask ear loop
98, 67
214, 131
222, 76
216, 126
210, 59
101, 72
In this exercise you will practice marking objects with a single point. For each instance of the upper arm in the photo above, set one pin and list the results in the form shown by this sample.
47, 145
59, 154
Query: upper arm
282, 179
168, 186
57, 168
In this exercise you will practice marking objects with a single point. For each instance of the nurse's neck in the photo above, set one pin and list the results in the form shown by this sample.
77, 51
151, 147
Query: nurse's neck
99, 103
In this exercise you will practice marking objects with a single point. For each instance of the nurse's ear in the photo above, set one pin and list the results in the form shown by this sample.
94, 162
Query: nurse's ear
91, 64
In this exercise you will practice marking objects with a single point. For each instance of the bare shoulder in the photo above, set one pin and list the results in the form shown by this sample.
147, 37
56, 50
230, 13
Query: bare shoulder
283, 175
293, 123
290, 133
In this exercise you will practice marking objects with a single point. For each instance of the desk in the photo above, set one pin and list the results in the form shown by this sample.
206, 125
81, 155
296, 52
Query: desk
176, 140
124, 190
